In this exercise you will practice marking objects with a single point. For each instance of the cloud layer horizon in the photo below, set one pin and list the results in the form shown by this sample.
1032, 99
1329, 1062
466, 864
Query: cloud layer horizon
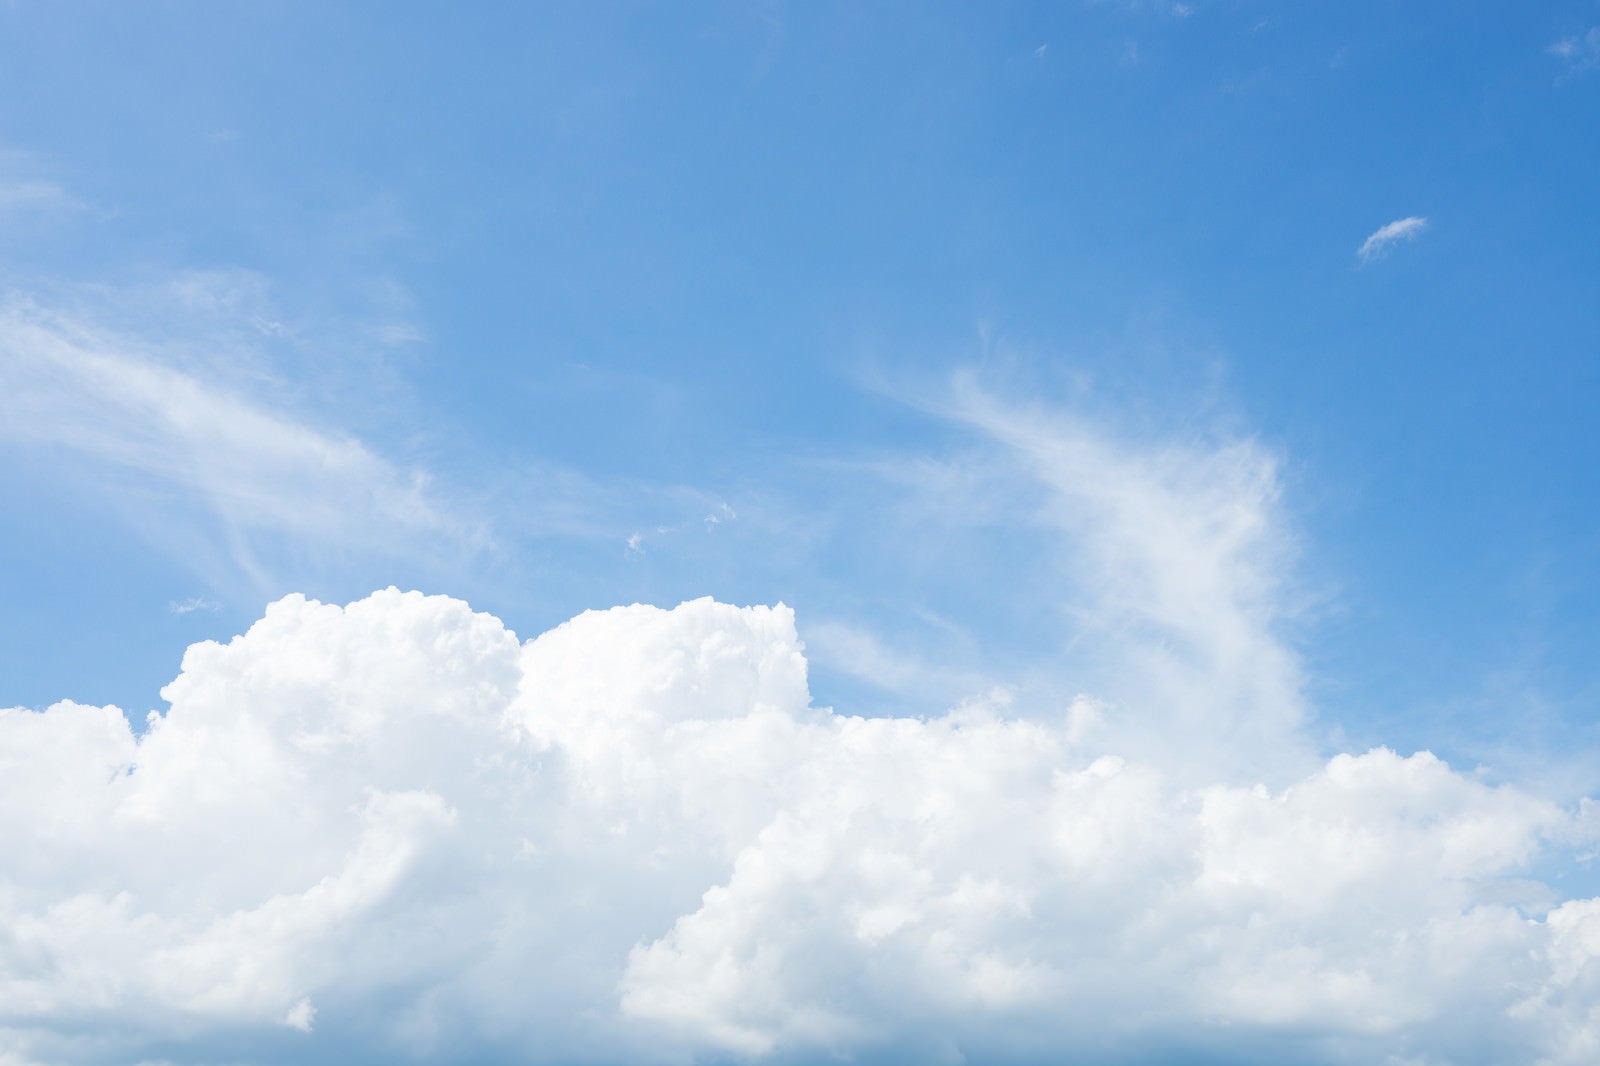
391, 830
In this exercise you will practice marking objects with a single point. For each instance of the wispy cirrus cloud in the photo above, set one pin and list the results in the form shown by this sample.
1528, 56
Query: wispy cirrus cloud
193, 604
1177, 565
32, 195
1581, 51
190, 451
1386, 237
27, 189
889, 666
1176, 8
1159, 572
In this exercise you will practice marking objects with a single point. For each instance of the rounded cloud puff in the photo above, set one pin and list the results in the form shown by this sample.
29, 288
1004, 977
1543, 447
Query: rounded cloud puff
391, 831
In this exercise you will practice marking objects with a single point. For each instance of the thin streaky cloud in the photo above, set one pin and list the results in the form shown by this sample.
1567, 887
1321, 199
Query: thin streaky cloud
1186, 572
1386, 237
26, 188
193, 604
33, 195
245, 470
1581, 50
861, 653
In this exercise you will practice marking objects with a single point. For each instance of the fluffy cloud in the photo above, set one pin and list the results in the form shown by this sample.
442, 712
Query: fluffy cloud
392, 831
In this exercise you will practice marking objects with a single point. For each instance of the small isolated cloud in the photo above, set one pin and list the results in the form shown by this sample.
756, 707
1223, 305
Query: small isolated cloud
722, 514
192, 604
635, 543
1401, 229
301, 1015
1581, 51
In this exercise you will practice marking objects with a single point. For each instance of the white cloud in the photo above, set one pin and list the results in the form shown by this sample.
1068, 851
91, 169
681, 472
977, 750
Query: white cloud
32, 196
634, 839
1386, 237
1167, 565
863, 654
26, 190
392, 830
301, 1015
192, 604
1581, 51
212, 455
1175, 8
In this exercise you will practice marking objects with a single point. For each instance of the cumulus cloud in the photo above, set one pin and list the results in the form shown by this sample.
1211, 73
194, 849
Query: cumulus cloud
1386, 237
392, 831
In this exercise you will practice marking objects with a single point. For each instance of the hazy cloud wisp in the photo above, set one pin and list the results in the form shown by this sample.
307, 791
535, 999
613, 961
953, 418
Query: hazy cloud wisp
248, 470
1581, 51
1386, 237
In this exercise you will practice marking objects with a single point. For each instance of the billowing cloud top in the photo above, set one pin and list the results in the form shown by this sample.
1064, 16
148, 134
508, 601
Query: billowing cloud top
391, 831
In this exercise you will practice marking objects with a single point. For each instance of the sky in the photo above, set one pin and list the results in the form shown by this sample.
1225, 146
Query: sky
759, 532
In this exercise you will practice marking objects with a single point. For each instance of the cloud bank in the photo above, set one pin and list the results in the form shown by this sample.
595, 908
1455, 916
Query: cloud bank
394, 831
391, 831
1386, 237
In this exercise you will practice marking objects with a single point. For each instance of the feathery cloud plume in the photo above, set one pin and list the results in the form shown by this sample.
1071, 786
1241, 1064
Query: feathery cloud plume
237, 466
1581, 50
1385, 237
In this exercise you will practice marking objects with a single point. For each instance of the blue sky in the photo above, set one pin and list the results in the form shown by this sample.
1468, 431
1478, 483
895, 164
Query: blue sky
877, 311
671, 247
